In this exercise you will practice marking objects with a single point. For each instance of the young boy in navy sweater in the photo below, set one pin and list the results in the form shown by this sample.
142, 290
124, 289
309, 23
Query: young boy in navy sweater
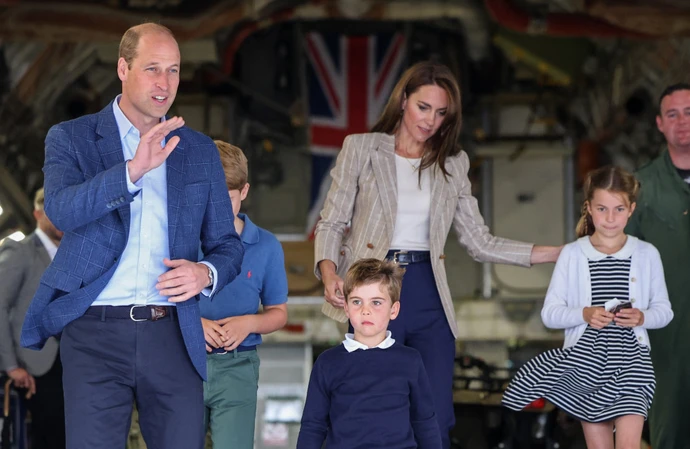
370, 392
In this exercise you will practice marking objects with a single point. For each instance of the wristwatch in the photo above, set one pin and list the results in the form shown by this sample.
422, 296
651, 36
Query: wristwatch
210, 277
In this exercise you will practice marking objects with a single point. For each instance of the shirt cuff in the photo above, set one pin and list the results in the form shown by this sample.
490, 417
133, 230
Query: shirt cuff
10, 368
208, 291
132, 187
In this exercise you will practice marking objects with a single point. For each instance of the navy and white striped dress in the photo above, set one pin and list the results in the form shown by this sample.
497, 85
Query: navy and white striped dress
605, 375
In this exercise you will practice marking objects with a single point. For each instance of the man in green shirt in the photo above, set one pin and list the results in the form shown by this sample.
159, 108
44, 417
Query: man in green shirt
662, 218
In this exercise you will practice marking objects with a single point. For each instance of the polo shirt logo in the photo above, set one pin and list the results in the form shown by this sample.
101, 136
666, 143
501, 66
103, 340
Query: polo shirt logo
249, 274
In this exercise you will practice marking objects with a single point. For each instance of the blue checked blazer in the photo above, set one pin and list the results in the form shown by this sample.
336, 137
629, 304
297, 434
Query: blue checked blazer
86, 196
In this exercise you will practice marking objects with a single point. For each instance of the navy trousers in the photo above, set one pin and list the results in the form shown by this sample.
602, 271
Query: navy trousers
422, 325
109, 364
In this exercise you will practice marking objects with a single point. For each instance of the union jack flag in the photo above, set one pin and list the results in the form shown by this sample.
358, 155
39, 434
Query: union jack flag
349, 80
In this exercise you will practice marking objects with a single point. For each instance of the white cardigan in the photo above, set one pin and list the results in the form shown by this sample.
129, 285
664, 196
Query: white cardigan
570, 290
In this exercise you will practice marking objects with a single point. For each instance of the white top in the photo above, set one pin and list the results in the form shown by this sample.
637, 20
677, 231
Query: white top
47, 243
352, 345
570, 290
414, 205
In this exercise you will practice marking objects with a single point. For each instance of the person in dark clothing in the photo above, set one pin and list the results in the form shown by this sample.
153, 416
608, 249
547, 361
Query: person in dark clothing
662, 219
38, 373
370, 392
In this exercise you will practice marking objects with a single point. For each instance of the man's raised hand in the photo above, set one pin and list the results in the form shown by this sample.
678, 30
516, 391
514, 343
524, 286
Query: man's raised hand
150, 154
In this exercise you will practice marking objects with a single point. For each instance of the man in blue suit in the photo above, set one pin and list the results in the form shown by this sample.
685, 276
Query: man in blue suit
134, 193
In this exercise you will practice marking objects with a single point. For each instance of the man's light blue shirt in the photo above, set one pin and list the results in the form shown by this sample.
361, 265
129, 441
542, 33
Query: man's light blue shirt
136, 276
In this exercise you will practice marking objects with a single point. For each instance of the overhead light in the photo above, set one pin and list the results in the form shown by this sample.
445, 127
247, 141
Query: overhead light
17, 236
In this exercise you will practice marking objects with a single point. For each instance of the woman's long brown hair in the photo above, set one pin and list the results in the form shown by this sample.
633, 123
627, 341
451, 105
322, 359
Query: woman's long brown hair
444, 142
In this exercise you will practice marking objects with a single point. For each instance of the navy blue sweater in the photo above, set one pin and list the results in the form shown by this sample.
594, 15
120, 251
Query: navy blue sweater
378, 398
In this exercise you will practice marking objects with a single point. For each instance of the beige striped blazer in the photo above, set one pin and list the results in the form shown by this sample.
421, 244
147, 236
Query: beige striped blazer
364, 195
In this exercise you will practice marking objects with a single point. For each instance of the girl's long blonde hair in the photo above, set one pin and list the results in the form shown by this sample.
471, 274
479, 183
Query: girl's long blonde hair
609, 178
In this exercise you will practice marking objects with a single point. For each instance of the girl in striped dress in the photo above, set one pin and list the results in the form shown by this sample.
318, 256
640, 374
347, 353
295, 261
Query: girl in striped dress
607, 289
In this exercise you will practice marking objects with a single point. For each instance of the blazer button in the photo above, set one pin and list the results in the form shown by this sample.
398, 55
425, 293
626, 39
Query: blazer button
442, 256
122, 199
370, 245
633, 279
109, 205
632, 299
640, 338
342, 253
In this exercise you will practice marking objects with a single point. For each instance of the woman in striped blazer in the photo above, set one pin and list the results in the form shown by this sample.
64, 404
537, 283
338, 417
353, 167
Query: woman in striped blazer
400, 188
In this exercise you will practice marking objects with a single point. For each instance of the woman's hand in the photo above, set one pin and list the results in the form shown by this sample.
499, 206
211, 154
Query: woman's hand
333, 284
545, 254
597, 317
629, 317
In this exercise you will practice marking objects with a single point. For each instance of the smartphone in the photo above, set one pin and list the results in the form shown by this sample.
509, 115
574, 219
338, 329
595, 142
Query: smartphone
621, 306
